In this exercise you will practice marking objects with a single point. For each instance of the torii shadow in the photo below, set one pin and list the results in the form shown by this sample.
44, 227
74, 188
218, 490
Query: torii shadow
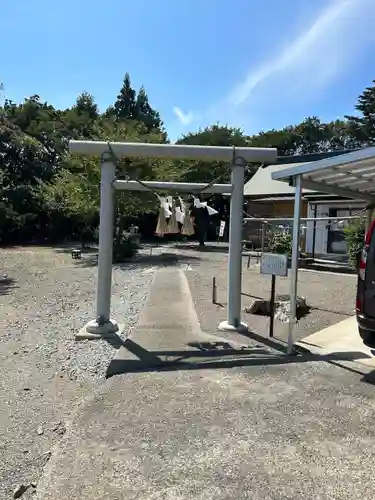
200, 358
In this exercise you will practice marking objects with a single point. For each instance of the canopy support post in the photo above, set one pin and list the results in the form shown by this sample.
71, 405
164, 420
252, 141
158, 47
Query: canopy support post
294, 267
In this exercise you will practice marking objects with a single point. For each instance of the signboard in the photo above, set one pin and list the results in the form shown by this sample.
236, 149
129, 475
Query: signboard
222, 227
274, 263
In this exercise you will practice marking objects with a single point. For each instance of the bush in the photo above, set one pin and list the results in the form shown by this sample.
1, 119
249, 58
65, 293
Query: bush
281, 242
354, 237
125, 249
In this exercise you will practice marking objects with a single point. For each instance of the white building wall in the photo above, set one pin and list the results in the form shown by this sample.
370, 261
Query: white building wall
321, 234
309, 229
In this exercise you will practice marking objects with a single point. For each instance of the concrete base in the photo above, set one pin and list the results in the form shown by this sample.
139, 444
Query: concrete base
343, 342
226, 327
93, 331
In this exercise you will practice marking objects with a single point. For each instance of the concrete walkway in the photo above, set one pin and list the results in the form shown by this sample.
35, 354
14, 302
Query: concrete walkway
168, 331
178, 424
343, 340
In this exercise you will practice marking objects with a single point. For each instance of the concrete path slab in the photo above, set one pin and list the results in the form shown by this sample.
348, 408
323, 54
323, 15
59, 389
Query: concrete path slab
342, 338
168, 331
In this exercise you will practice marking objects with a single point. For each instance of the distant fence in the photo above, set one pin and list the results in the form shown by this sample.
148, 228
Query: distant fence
257, 233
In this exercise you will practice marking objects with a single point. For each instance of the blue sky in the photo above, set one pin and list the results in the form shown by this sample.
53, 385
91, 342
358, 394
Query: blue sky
254, 64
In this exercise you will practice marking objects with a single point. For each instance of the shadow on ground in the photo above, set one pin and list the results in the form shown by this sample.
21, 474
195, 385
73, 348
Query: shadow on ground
7, 285
142, 260
208, 248
213, 356
69, 248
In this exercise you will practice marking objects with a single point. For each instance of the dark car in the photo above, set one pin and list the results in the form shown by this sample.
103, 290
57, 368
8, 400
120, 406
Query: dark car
365, 303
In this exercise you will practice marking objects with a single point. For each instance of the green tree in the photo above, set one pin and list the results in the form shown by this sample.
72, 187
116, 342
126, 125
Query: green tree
284, 140
309, 136
206, 171
125, 103
318, 137
363, 126
25, 165
40, 180
81, 119
145, 113
73, 197
86, 106
39, 120
355, 238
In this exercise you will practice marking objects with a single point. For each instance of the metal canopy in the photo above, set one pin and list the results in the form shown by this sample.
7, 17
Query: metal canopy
351, 175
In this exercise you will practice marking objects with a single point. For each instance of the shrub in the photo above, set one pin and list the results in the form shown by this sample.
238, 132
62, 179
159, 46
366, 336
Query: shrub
280, 242
354, 237
125, 249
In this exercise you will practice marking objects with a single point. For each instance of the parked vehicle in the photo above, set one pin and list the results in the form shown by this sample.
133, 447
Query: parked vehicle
365, 302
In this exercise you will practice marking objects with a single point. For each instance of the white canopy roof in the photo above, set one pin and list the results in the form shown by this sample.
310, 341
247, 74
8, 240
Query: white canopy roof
351, 175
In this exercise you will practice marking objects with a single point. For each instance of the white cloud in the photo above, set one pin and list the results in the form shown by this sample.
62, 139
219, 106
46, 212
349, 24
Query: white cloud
185, 119
317, 56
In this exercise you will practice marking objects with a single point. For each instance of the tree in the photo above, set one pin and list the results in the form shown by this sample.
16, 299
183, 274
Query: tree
363, 127
284, 140
341, 136
216, 135
132, 106
72, 198
40, 121
39, 180
85, 105
80, 120
145, 113
309, 136
135, 203
125, 103
25, 165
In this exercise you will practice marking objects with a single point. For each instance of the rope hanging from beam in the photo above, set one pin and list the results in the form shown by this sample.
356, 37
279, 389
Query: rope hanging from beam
170, 226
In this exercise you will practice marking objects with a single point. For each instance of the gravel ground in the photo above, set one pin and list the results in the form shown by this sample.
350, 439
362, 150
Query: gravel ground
44, 373
47, 297
331, 296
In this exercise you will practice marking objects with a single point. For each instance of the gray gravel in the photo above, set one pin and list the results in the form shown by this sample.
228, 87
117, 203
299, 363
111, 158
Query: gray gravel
44, 373
331, 296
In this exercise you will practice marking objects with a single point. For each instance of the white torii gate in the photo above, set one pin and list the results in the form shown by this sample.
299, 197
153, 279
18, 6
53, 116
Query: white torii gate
238, 159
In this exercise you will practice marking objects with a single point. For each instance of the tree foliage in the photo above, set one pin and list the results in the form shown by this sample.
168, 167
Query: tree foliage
354, 237
46, 193
363, 125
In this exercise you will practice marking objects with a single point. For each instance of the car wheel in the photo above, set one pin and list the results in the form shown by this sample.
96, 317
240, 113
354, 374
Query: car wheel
368, 336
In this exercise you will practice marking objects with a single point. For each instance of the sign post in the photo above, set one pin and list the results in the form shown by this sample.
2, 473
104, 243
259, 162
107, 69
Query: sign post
274, 264
272, 304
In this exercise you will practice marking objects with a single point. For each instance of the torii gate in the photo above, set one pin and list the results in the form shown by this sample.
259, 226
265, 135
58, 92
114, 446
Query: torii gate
237, 157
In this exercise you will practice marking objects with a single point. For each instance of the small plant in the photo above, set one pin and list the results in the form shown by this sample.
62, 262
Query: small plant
125, 249
354, 237
281, 242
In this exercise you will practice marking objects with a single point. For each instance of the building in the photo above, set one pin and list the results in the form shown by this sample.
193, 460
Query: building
268, 198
